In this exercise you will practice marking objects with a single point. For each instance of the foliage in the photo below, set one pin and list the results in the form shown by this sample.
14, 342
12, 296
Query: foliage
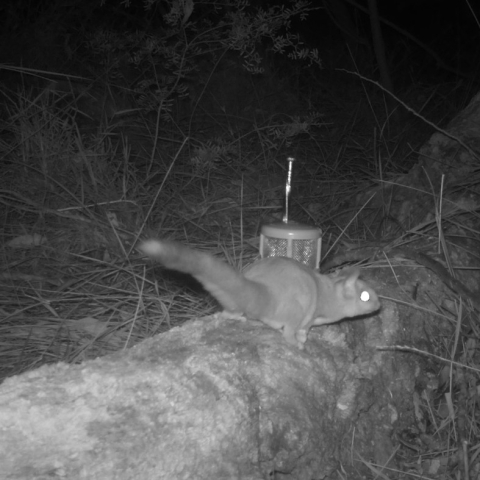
190, 40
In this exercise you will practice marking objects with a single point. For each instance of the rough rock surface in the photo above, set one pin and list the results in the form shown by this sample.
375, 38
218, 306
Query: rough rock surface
215, 398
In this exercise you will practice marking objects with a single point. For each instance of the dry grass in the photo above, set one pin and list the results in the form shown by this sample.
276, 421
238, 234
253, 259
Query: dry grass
75, 201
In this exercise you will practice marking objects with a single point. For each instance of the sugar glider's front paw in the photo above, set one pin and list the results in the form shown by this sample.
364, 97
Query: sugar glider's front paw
294, 337
301, 336
225, 315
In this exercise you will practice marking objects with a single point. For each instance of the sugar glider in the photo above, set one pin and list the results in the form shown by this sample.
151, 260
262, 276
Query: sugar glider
279, 291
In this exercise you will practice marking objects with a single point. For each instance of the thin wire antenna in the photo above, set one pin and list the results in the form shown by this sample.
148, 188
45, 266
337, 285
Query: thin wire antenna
288, 188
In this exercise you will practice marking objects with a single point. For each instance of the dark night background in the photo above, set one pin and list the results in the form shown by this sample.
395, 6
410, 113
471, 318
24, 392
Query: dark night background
174, 119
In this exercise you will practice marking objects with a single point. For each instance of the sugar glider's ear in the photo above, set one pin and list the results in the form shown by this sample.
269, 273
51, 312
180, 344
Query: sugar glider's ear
350, 276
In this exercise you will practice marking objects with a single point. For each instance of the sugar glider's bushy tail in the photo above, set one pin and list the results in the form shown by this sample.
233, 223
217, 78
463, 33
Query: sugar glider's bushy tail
227, 285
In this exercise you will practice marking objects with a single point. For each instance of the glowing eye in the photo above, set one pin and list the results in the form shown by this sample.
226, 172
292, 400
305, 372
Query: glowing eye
364, 296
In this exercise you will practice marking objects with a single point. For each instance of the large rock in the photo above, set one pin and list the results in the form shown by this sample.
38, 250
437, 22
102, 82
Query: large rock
214, 399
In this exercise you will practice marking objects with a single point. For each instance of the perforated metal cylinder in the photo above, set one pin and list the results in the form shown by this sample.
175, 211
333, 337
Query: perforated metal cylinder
291, 239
